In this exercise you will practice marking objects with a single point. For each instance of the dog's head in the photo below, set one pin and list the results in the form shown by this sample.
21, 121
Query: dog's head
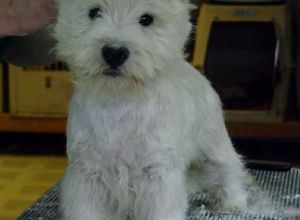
118, 44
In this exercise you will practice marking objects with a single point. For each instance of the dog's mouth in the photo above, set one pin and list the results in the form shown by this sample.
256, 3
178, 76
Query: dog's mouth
112, 73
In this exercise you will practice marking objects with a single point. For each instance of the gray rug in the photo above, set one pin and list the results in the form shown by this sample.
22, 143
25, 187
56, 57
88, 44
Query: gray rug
282, 189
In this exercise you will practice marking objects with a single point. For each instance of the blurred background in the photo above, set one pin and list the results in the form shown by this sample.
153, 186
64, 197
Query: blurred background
249, 49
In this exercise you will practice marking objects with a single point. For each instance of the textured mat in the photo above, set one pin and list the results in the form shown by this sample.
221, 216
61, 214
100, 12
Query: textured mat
247, 1
283, 188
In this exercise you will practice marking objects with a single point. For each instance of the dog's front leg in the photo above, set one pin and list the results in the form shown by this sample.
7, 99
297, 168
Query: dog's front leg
83, 198
160, 195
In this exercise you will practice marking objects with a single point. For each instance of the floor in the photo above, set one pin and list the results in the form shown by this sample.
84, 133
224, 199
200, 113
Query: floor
24, 179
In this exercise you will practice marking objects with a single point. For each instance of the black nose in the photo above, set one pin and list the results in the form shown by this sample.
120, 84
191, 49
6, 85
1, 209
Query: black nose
115, 56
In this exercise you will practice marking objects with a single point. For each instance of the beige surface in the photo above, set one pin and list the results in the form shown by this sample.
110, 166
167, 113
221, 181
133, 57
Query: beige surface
38, 92
24, 179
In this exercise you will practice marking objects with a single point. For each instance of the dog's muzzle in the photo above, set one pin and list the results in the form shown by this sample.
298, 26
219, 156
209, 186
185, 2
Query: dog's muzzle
115, 56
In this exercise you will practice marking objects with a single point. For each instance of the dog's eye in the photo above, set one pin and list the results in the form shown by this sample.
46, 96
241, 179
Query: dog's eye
146, 20
95, 13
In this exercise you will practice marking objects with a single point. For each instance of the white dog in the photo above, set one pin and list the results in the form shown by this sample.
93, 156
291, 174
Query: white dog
145, 129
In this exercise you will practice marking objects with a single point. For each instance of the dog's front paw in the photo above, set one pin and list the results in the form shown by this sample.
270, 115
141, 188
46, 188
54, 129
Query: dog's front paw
235, 205
232, 203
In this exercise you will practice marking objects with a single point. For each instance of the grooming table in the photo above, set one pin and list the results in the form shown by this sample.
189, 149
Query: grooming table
282, 187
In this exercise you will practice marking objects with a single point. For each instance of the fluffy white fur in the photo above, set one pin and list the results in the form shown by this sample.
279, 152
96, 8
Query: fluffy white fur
145, 140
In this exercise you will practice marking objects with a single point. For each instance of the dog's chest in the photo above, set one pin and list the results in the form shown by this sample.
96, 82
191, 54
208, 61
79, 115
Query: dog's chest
120, 131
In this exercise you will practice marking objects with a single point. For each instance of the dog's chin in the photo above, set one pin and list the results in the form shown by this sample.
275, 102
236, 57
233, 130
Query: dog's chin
113, 73
122, 77
112, 84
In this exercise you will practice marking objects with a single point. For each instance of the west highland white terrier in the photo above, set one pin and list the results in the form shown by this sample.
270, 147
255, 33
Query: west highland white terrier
145, 129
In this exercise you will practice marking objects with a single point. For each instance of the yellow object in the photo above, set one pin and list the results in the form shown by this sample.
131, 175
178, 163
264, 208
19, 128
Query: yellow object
276, 14
24, 179
210, 13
